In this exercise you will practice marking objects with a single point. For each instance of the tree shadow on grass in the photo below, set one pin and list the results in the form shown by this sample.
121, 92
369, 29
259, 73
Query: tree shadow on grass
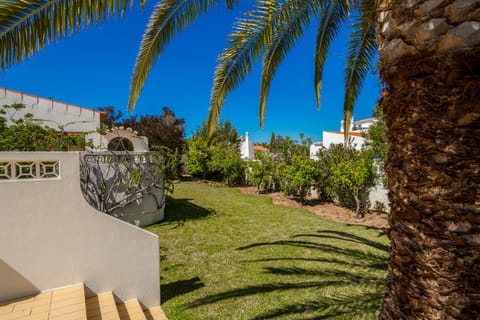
324, 248
347, 306
349, 285
177, 288
339, 235
181, 210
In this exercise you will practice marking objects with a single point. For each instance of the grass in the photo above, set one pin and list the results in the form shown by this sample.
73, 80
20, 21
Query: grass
227, 255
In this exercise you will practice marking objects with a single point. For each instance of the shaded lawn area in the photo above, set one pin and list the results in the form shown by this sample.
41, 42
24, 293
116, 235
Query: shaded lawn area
227, 255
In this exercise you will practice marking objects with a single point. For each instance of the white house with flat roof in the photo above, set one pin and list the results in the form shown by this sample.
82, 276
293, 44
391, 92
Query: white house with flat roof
355, 136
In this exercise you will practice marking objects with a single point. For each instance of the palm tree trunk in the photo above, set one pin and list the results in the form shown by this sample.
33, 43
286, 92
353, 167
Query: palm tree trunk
430, 62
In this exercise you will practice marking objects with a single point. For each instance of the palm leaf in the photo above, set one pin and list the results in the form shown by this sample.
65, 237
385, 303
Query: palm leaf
362, 51
247, 43
28, 26
288, 28
333, 14
169, 17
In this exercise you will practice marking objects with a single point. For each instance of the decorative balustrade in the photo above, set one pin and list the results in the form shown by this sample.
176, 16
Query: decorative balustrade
17, 170
113, 180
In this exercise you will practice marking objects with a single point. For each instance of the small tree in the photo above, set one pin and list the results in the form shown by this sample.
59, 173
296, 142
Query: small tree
165, 130
351, 178
227, 164
299, 176
217, 159
257, 173
198, 157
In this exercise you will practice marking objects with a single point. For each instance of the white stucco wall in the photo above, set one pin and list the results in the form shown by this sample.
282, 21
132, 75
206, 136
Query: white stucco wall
379, 195
50, 237
314, 148
53, 113
330, 138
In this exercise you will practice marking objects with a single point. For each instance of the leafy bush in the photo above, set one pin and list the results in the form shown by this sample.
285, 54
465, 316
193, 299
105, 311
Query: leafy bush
26, 134
299, 176
346, 175
217, 159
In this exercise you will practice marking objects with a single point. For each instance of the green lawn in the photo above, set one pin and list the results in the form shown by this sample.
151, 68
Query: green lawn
227, 255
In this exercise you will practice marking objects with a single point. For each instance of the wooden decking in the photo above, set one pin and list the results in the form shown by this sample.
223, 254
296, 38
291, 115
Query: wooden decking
69, 303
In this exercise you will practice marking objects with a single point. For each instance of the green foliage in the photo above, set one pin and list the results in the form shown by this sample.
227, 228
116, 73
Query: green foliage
25, 134
198, 157
376, 140
346, 175
263, 171
218, 158
165, 130
286, 147
376, 144
299, 176
225, 134
226, 164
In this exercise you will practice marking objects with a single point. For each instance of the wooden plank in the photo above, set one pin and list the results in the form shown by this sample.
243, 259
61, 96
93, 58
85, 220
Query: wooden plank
131, 310
155, 313
102, 307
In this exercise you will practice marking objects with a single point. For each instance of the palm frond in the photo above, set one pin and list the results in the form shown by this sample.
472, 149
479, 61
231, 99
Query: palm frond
362, 51
332, 15
247, 43
28, 26
288, 27
169, 17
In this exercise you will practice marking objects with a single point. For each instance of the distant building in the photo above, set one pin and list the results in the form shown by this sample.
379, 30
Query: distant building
314, 148
261, 149
355, 135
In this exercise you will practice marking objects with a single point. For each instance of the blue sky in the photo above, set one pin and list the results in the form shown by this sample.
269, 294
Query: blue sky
92, 68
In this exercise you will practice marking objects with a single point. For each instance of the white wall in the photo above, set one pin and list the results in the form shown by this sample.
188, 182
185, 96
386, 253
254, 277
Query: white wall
330, 138
314, 148
50, 237
54, 113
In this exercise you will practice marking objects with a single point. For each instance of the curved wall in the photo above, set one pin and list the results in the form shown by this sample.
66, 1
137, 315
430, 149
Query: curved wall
50, 236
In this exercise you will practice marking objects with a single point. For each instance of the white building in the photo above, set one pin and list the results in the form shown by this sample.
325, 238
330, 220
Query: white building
70, 119
355, 136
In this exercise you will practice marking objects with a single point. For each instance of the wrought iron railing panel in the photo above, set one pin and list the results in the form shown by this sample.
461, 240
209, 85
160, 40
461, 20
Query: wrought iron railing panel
112, 180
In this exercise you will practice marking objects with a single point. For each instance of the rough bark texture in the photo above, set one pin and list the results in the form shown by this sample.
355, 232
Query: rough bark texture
430, 61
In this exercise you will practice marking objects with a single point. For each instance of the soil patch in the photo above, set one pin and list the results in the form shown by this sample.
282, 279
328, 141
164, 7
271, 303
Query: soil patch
328, 211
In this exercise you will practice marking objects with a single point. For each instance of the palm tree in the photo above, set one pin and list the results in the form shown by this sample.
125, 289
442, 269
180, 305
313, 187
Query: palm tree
430, 63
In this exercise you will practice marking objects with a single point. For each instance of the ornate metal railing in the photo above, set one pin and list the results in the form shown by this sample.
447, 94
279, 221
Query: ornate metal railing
111, 180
